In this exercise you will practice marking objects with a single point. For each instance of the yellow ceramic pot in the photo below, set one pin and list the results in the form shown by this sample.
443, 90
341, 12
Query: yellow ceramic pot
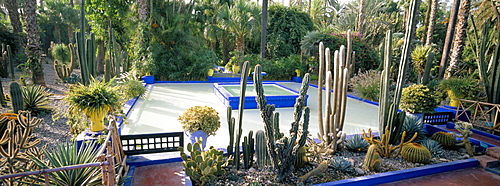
210, 72
96, 116
454, 99
236, 69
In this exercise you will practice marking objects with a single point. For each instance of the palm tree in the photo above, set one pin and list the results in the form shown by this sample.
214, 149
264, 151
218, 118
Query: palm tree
449, 38
142, 6
11, 6
361, 16
33, 49
459, 38
432, 21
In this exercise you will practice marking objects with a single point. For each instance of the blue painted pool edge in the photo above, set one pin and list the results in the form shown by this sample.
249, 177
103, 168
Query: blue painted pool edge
394, 176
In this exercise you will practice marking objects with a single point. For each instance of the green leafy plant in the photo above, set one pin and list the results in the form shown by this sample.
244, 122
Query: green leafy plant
367, 84
203, 118
356, 143
36, 98
418, 99
60, 52
70, 154
131, 87
464, 88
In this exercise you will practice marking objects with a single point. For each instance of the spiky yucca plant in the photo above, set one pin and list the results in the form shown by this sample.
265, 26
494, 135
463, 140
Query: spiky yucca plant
36, 98
69, 154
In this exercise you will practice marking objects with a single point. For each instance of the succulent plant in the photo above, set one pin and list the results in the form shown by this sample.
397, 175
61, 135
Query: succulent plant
447, 140
433, 146
203, 118
356, 143
416, 153
341, 163
372, 159
202, 166
301, 157
413, 124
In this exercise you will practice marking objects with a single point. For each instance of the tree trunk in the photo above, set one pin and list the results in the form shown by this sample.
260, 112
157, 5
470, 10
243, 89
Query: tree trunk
449, 37
143, 9
361, 16
426, 21
264, 30
459, 38
11, 6
33, 50
432, 21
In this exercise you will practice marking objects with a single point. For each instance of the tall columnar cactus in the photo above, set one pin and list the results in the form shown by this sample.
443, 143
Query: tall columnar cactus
283, 151
18, 145
86, 49
336, 81
16, 97
230, 124
243, 88
372, 159
64, 70
388, 111
427, 69
248, 150
260, 148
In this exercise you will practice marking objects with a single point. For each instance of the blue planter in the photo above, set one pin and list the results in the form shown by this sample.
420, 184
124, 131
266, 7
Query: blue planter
197, 135
148, 79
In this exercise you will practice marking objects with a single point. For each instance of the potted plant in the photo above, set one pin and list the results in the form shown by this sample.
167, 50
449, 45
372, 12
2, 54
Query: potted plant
200, 121
418, 99
460, 88
96, 100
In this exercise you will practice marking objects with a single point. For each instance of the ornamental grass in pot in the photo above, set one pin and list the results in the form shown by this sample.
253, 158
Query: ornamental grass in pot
200, 121
96, 100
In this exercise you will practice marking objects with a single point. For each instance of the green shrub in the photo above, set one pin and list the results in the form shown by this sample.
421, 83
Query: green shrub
464, 88
203, 118
60, 52
366, 84
418, 99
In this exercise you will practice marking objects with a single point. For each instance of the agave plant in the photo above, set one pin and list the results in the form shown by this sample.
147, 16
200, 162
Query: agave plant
36, 98
341, 163
356, 143
434, 147
413, 124
70, 154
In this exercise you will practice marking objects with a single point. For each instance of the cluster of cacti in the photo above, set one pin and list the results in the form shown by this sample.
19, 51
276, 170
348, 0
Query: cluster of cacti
260, 149
446, 139
372, 160
465, 132
490, 73
332, 124
64, 70
341, 163
434, 147
230, 123
283, 151
318, 170
16, 97
18, 146
202, 166
356, 143
415, 153
388, 110
301, 158
248, 150
86, 50
117, 58
383, 146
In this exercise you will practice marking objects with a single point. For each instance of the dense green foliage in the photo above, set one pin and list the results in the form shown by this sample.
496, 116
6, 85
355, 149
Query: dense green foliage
418, 99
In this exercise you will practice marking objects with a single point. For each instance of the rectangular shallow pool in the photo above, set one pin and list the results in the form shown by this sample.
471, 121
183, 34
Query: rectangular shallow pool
276, 94
164, 102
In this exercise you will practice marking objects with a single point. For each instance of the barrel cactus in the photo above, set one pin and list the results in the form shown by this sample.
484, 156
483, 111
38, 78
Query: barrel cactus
416, 153
372, 159
446, 139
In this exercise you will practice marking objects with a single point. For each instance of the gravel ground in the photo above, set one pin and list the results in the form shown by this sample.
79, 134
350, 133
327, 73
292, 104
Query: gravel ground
265, 176
49, 131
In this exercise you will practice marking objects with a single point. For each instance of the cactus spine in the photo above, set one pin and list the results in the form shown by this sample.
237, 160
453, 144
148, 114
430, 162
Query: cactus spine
372, 159
248, 150
243, 88
260, 148
416, 153
16, 97
283, 152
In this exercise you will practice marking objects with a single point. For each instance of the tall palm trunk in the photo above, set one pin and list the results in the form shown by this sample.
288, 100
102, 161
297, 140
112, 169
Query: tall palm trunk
449, 37
459, 38
11, 6
143, 9
426, 21
432, 21
361, 16
33, 49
